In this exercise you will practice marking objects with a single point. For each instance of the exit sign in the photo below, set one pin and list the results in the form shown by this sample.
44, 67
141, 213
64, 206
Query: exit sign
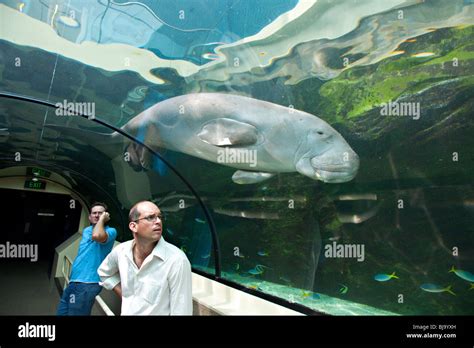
35, 185
38, 172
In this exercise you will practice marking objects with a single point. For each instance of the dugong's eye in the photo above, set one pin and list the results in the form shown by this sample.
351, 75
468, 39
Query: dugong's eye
320, 134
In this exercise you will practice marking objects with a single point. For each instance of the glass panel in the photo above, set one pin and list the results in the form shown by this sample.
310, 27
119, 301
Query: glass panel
106, 167
333, 154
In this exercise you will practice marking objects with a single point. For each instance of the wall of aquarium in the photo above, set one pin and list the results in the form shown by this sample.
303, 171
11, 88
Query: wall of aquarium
318, 154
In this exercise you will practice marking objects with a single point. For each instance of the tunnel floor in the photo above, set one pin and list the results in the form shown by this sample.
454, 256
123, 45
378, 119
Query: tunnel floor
26, 289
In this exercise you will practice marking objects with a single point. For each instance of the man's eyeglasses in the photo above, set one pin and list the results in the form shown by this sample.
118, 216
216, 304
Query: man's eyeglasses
150, 218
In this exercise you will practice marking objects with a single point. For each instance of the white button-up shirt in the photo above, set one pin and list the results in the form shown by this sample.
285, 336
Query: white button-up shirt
162, 285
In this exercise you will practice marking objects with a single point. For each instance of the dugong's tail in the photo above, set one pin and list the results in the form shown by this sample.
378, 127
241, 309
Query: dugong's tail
111, 144
128, 159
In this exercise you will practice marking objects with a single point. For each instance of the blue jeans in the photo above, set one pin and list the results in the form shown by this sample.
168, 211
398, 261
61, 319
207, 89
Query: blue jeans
78, 298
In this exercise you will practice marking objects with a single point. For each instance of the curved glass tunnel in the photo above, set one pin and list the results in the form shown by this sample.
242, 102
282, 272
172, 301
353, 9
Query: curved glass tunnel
383, 243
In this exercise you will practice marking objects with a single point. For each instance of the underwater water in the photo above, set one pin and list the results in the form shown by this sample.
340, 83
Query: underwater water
392, 80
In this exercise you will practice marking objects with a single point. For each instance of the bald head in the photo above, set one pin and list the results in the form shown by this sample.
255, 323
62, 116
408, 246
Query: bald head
146, 223
136, 210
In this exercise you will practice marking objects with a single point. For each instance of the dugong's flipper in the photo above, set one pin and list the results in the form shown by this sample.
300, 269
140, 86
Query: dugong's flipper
129, 182
243, 177
138, 156
228, 132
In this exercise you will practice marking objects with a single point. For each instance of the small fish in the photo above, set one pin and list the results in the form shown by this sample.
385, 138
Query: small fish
305, 294
315, 296
429, 287
210, 56
206, 256
463, 274
472, 287
255, 287
381, 277
286, 280
396, 53
423, 55
170, 232
255, 271
200, 221
242, 256
264, 188
344, 289
410, 40
262, 54
20, 6
262, 253
356, 196
4, 132
237, 266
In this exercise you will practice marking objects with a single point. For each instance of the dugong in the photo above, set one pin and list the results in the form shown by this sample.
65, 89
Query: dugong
257, 137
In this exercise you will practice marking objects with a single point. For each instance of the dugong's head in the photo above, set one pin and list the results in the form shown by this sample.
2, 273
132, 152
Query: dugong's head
324, 154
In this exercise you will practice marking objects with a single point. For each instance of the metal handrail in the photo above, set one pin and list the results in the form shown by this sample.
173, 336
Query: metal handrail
67, 263
66, 270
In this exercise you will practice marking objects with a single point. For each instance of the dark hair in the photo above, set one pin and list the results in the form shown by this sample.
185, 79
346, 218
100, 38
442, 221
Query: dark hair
95, 204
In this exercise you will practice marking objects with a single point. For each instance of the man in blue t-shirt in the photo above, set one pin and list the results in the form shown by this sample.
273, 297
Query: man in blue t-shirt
97, 242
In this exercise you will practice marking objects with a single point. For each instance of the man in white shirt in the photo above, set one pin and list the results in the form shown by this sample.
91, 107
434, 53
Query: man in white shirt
151, 276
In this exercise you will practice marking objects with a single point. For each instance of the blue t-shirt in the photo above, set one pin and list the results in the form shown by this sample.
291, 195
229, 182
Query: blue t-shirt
90, 256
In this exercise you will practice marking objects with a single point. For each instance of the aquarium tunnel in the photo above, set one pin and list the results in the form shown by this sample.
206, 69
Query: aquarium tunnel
309, 157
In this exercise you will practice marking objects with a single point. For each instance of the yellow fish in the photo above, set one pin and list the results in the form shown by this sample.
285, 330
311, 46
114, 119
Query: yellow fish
396, 53
423, 55
255, 287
